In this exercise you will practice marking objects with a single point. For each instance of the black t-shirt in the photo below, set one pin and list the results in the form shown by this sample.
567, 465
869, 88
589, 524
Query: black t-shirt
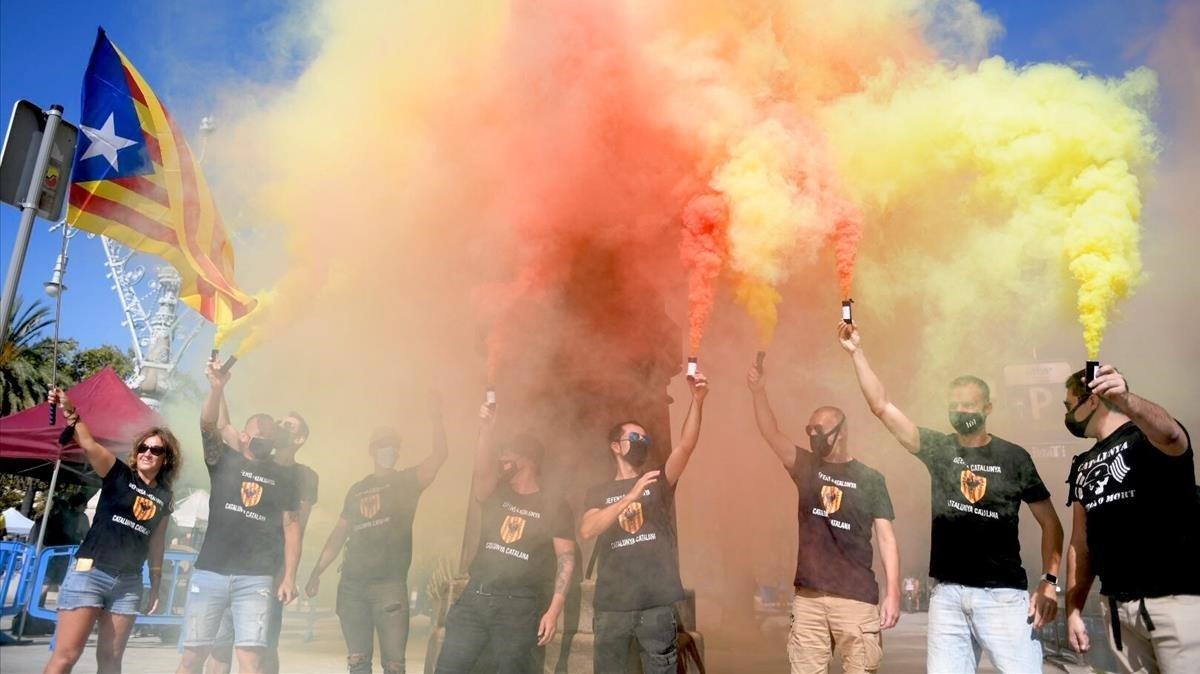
245, 513
516, 547
977, 494
128, 513
1143, 515
839, 503
637, 557
306, 481
380, 513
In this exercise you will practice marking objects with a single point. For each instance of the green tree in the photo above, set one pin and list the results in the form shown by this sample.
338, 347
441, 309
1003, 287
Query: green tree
25, 361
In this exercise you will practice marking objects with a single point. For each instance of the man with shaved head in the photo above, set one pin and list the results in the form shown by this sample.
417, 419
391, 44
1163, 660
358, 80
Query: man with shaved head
836, 609
977, 483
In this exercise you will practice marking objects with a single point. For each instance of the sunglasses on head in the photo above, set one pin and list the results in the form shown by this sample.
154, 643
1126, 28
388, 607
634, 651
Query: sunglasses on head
156, 450
638, 437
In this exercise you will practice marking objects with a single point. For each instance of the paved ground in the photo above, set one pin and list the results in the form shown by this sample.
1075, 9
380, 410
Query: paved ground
904, 649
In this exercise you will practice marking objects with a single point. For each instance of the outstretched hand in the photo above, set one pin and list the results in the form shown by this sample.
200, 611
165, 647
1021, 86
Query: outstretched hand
755, 380
217, 378
849, 337
699, 386
1110, 384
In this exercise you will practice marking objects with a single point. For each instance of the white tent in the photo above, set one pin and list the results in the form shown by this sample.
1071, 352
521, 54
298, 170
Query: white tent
16, 523
191, 511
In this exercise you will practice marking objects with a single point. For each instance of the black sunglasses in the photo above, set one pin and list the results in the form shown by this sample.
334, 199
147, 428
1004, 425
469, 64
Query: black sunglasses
156, 450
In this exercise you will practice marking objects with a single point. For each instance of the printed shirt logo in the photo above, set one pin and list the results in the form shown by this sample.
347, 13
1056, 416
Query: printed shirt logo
251, 494
973, 486
368, 505
143, 508
631, 518
831, 499
512, 528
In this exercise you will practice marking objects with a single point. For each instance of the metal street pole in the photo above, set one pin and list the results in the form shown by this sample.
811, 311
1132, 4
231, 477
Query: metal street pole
28, 213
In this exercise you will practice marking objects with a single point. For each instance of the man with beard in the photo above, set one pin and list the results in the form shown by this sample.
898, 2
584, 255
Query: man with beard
632, 519
253, 533
291, 436
836, 608
376, 529
1136, 526
977, 484
524, 534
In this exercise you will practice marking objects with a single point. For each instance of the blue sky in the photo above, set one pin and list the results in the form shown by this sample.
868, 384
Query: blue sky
187, 49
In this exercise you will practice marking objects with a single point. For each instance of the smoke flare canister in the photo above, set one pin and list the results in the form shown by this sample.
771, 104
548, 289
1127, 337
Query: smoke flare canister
692, 368
1091, 370
490, 397
847, 312
229, 364
212, 355
758, 361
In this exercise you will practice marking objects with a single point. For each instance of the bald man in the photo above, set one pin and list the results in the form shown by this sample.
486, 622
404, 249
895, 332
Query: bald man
836, 609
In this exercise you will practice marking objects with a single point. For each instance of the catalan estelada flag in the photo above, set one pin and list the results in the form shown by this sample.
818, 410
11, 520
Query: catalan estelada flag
137, 182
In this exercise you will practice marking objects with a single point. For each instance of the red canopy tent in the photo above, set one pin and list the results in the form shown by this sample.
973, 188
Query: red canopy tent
114, 413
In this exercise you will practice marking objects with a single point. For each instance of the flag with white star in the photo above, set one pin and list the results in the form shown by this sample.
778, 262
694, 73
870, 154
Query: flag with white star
136, 181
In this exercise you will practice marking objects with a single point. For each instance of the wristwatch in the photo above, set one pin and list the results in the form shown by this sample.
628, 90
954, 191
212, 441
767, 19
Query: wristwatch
1053, 580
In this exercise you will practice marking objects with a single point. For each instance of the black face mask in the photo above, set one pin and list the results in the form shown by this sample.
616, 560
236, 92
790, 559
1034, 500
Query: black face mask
1078, 427
260, 448
822, 443
966, 422
639, 449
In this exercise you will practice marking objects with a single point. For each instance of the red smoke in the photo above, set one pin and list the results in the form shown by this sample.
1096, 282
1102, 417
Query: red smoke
703, 250
588, 183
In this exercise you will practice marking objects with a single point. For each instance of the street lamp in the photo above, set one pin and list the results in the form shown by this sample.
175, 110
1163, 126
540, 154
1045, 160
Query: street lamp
55, 286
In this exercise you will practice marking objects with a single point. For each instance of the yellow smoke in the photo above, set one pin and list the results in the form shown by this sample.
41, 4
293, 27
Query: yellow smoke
996, 183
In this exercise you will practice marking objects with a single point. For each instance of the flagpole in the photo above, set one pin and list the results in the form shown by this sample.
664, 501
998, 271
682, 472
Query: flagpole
28, 213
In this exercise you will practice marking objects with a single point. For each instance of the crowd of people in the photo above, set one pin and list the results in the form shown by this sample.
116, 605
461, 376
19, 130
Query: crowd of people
1133, 501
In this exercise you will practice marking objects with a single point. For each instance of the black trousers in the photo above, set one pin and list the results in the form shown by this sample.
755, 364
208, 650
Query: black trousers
367, 608
503, 626
654, 629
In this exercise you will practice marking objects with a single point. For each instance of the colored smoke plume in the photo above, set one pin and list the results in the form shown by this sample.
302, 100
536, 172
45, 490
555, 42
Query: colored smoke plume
999, 184
703, 251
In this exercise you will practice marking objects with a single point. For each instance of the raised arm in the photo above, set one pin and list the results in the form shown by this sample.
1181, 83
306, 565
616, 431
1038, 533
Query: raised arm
681, 453
333, 547
1043, 605
98, 456
428, 469
764, 417
210, 414
487, 459
1079, 580
564, 551
597, 520
1159, 426
873, 391
889, 554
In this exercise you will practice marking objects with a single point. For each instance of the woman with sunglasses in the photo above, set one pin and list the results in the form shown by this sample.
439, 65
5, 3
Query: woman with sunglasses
105, 583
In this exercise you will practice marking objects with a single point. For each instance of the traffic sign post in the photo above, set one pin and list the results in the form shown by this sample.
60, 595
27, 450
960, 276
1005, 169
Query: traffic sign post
35, 172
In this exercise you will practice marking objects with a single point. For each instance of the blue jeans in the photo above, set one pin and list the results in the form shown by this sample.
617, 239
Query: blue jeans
247, 597
96, 589
965, 620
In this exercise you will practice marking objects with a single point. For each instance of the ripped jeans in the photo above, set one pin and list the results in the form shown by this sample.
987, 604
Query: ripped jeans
210, 595
369, 607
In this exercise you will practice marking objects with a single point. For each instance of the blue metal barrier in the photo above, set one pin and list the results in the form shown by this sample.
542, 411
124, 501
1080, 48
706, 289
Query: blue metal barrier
177, 568
16, 573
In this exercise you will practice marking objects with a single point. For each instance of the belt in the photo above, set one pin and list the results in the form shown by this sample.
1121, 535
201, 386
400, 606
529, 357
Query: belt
1115, 620
485, 591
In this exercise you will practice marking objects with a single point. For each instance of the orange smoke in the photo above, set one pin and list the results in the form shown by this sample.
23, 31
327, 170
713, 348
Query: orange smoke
703, 249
